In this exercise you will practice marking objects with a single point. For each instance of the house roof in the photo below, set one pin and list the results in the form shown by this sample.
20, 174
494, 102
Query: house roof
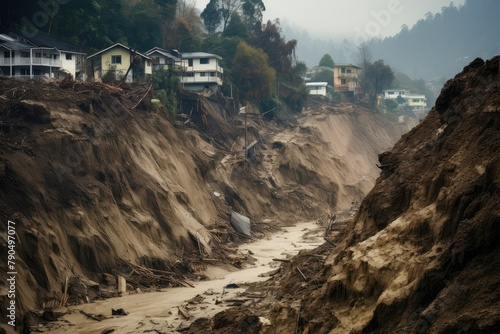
6, 38
163, 52
47, 41
314, 84
187, 55
16, 46
120, 46
347, 65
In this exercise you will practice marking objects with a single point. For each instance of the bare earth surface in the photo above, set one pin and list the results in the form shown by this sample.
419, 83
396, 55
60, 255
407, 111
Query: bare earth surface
158, 310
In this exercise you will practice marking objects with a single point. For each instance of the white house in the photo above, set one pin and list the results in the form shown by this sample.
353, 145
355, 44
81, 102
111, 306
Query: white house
41, 55
317, 88
163, 59
116, 61
201, 70
416, 102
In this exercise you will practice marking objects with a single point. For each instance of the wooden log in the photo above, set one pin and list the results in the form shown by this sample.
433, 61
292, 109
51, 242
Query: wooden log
91, 316
281, 260
183, 312
301, 273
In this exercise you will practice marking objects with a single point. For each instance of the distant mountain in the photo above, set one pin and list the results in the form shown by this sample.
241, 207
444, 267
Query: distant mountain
310, 49
441, 45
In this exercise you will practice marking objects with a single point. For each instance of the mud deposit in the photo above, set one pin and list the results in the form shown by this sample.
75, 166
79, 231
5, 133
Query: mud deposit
158, 311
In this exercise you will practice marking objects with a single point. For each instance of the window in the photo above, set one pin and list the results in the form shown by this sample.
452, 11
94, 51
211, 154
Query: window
69, 56
349, 70
212, 74
189, 74
6, 54
343, 81
342, 70
25, 71
190, 62
202, 74
54, 57
25, 54
204, 61
390, 93
116, 59
36, 71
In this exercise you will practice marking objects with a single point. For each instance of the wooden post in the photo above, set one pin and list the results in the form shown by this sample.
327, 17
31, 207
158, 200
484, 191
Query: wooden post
65, 294
122, 284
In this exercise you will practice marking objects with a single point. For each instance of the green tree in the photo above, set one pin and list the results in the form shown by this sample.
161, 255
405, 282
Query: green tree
378, 77
211, 16
252, 11
391, 104
252, 73
236, 28
300, 69
325, 75
326, 61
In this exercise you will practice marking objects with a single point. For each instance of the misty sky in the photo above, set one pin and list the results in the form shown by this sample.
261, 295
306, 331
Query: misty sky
356, 20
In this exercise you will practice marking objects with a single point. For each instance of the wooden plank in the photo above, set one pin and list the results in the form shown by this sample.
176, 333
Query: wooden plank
183, 312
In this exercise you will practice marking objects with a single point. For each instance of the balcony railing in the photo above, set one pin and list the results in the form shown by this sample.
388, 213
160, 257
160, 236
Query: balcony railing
201, 80
348, 75
18, 61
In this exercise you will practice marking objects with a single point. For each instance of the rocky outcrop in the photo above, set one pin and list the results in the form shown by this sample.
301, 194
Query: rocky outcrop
422, 254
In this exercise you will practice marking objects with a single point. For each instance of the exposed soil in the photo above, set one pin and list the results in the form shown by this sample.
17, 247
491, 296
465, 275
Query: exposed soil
422, 254
101, 184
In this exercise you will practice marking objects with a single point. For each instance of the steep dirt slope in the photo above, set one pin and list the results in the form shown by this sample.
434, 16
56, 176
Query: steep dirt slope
422, 254
94, 182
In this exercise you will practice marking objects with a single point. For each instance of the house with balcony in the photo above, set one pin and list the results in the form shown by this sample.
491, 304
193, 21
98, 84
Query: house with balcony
416, 102
201, 71
163, 59
114, 62
345, 78
38, 56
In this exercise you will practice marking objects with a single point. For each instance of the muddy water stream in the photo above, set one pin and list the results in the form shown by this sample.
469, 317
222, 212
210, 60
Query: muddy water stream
156, 312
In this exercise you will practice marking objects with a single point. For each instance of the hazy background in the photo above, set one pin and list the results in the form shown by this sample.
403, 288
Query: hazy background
345, 19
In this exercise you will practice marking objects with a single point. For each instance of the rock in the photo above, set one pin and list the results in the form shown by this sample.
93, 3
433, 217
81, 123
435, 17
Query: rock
34, 111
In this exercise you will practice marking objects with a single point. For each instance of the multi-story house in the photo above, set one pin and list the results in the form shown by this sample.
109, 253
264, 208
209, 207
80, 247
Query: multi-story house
345, 78
38, 56
119, 60
201, 71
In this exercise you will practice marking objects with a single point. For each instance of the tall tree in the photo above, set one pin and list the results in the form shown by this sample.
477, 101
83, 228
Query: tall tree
326, 61
252, 73
211, 16
185, 32
378, 76
281, 52
252, 11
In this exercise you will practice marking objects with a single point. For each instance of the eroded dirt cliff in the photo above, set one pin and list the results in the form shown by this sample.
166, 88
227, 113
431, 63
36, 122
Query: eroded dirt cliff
98, 182
422, 254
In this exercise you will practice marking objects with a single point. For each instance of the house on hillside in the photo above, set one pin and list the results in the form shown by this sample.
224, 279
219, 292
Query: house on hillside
114, 62
416, 102
201, 71
39, 56
317, 88
345, 78
163, 59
